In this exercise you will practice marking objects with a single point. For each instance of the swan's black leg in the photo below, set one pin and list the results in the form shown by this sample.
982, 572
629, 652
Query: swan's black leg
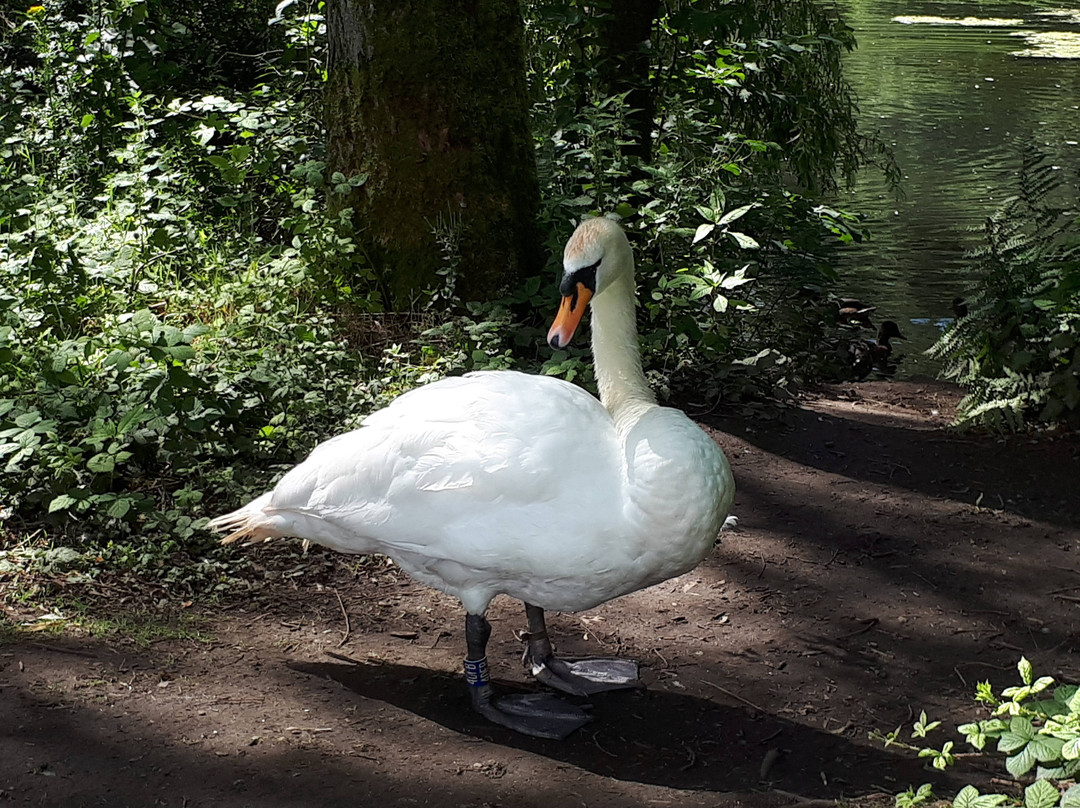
582, 677
538, 714
477, 634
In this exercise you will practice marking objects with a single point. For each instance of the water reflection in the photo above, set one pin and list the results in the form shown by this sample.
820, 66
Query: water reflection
953, 100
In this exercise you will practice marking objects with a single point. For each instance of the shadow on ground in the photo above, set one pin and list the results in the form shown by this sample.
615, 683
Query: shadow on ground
652, 736
872, 437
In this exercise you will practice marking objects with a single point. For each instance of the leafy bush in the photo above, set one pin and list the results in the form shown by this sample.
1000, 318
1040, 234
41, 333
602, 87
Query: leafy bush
1017, 351
181, 318
711, 207
170, 288
1035, 726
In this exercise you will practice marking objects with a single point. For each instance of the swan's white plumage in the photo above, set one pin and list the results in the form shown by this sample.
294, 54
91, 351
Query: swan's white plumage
504, 482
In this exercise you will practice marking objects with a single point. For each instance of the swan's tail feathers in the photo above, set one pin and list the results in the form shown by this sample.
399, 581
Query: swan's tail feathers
249, 523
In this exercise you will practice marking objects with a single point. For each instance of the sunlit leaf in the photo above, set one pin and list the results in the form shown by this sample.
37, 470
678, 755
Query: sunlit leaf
743, 240
62, 502
737, 213
1040, 794
702, 231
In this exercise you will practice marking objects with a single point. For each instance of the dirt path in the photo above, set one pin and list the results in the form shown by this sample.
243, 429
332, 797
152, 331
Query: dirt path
881, 567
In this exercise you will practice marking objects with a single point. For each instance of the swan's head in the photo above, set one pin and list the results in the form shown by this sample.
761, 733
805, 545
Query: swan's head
596, 255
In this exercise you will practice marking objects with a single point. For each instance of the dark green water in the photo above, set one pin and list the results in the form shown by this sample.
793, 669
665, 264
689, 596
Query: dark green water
952, 101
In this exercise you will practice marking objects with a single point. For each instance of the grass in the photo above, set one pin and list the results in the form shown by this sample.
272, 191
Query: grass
140, 626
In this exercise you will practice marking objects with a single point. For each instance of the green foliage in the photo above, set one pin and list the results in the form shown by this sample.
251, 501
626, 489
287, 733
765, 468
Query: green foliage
939, 758
1018, 349
1041, 732
723, 244
789, 88
911, 797
168, 283
181, 318
1036, 727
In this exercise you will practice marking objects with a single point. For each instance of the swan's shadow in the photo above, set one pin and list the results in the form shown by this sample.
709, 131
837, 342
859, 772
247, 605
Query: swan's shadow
658, 737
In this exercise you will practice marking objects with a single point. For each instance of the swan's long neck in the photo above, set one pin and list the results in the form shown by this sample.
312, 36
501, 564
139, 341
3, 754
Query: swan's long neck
624, 390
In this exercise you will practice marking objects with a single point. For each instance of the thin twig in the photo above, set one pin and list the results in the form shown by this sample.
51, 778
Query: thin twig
804, 802
977, 663
344, 658
870, 623
691, 759
735, 696
589, 630
602, 749
60, 650
662, 658
935, 586
345, 614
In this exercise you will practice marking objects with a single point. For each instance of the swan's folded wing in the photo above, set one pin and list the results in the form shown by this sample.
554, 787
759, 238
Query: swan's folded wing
455, 455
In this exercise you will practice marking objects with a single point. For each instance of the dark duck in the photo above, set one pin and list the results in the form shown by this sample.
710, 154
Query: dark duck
865, 355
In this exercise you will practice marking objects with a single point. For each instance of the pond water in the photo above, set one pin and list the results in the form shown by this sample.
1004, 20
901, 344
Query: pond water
952, 88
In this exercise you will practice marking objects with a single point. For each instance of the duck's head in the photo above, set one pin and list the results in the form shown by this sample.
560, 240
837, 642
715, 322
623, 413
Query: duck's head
596, 255
889, 330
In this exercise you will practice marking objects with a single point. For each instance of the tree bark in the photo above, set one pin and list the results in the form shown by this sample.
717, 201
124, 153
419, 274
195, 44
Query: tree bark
428, 99
625, 34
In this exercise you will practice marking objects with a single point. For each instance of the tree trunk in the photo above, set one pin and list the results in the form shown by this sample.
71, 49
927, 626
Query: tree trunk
427, 98
624, 37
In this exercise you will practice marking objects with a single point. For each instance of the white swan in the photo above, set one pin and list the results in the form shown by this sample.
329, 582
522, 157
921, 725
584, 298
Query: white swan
503, 482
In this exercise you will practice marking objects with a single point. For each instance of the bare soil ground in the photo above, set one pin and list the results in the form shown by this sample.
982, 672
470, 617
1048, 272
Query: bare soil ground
882, 566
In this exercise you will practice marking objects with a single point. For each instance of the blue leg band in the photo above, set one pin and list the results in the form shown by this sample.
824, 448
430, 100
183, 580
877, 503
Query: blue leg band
476, 672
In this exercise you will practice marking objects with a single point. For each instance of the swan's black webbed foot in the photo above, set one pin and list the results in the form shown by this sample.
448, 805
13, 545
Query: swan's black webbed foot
540, 715
582, 677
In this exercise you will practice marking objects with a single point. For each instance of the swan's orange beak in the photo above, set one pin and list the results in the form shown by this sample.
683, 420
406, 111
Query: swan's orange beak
570, 313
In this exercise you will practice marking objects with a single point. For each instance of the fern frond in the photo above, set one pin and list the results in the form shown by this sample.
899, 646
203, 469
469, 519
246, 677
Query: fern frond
1017, 352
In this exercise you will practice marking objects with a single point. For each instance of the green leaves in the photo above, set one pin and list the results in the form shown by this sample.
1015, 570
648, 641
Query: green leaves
1071, 798
720, 223
101, 463
154, 315
940, 759
978, 733
1030, 687
969, 797
1041, 794
922, 726
61, 503
1041, 735
1014, 351
910, 798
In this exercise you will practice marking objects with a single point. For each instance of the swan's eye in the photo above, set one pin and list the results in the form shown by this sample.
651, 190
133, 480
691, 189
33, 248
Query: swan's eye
585, 276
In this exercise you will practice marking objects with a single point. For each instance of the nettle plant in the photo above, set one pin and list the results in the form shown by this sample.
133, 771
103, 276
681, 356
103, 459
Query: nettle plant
1035, 725
170, 283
